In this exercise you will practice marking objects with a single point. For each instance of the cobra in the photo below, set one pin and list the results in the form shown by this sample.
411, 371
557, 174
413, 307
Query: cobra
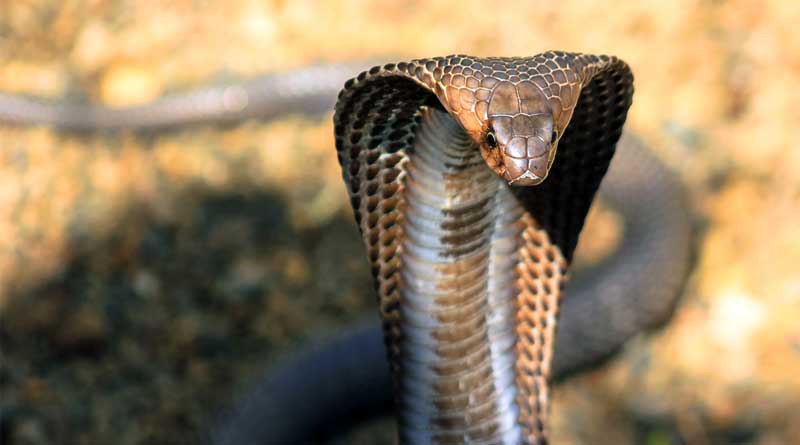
470, 179
470, 255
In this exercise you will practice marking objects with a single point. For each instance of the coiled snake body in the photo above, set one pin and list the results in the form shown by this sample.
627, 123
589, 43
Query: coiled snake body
470, 180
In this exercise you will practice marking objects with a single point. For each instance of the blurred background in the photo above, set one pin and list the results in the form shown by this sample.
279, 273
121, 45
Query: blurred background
146, 279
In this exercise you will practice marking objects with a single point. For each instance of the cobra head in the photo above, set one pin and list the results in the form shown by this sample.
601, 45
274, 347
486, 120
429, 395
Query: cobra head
516, 129
519, 141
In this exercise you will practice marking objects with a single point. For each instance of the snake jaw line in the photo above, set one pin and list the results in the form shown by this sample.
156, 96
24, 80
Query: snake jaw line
526, 179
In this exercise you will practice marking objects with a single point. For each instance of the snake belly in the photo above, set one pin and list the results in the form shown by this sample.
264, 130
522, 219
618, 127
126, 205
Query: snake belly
469, 271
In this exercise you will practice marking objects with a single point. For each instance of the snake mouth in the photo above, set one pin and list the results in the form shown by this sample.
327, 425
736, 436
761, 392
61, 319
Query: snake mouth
525, 179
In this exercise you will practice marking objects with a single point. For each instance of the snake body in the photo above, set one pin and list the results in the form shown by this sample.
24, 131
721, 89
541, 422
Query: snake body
470, 180
308, 90
470, 223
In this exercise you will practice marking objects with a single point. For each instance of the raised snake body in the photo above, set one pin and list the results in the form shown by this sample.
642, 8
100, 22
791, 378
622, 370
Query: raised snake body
469, 271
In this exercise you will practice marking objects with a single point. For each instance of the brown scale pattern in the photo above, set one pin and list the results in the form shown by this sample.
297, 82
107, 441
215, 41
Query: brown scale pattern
560, 203
542, 274
377, 119
374, 132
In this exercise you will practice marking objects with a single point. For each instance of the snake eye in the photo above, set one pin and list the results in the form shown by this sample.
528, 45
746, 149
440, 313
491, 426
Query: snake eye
491, 139
553, 137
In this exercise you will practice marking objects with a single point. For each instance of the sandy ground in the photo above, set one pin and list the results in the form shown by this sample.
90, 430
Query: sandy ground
145, 279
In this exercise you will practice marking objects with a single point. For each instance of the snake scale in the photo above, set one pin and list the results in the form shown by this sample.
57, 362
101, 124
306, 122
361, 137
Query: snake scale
470, 179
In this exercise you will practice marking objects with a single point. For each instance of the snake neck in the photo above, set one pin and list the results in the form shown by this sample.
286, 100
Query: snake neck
476, 337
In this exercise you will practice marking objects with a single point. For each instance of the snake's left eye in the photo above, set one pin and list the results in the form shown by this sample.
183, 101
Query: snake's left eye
553, 137
491, 139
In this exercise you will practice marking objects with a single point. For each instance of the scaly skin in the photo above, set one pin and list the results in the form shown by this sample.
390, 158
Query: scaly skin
468, 270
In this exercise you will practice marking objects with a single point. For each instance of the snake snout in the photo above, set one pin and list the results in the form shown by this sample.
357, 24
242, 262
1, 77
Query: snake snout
526, 146
523, 172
